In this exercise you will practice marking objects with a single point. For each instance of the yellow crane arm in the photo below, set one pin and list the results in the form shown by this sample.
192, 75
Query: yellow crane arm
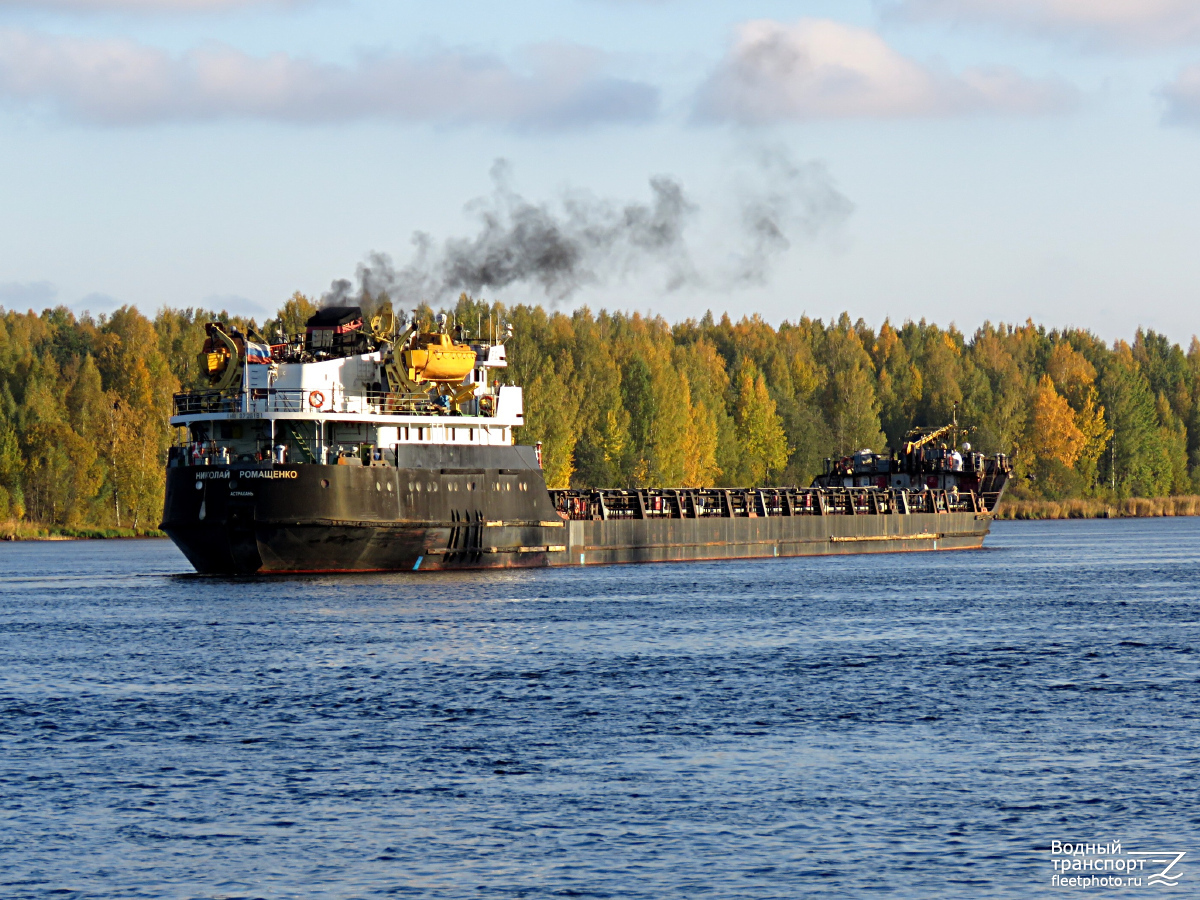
929, 438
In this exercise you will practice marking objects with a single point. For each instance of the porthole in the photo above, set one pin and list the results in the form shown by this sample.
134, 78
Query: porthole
418, 487
470, 485
199, 485
433, 486
524, 486
507, 486
389, 487
324, 482
378, 486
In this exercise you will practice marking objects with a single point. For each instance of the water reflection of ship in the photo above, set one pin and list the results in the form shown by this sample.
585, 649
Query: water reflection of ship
368, 446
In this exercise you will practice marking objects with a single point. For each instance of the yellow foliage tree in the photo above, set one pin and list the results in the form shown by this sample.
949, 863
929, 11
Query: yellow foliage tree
614, 437
700, 467
290, 319
760, 430
1096, 435
708, 386
1053, 434
1072, 374
667, 457
1075, 378
552, 406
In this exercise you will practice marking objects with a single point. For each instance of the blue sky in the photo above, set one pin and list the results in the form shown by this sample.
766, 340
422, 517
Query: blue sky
957, 160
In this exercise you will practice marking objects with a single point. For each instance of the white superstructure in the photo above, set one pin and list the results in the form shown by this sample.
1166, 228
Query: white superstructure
303, 405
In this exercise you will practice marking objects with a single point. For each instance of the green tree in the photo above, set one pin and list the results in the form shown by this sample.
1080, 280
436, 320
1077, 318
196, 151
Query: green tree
850, 404
1136, 451
997, 404
603, 422
12, 496
637, 391
759, 428
900, 385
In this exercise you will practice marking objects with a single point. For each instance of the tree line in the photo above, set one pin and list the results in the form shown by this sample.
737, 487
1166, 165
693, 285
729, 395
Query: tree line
631, 400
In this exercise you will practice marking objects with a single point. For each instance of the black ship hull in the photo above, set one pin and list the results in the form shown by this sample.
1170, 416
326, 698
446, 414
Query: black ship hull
487, 507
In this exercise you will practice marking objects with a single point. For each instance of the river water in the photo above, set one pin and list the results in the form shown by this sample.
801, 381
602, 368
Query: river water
912, 725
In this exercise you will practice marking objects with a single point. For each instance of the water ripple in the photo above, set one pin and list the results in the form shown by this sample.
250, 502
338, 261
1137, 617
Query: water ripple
910, 725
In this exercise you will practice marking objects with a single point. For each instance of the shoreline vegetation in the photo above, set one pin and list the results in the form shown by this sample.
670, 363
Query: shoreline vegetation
1131, 508
13, 530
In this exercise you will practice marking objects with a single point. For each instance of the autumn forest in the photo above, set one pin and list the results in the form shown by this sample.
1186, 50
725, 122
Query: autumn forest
619, 399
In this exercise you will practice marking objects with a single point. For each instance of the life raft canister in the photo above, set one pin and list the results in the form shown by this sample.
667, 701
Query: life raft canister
316, 399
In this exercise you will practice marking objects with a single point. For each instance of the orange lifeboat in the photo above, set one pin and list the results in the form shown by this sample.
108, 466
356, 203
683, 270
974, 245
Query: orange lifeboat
436, 358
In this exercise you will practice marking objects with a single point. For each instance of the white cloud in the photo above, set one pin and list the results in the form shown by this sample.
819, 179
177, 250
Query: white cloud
820, 69
1138, 22
119, 82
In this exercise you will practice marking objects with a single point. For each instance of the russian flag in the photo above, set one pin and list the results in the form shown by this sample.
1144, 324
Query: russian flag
258, 353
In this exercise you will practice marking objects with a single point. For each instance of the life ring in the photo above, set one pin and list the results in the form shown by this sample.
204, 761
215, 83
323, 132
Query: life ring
316, 399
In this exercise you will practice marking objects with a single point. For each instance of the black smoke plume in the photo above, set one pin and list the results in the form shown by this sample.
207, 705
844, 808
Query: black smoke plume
583, 241
781, 200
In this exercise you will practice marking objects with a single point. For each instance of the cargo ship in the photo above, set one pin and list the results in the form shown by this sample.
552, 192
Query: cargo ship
368, 445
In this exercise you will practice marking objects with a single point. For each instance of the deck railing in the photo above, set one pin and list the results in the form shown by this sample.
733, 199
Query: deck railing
334, 401
699, 503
